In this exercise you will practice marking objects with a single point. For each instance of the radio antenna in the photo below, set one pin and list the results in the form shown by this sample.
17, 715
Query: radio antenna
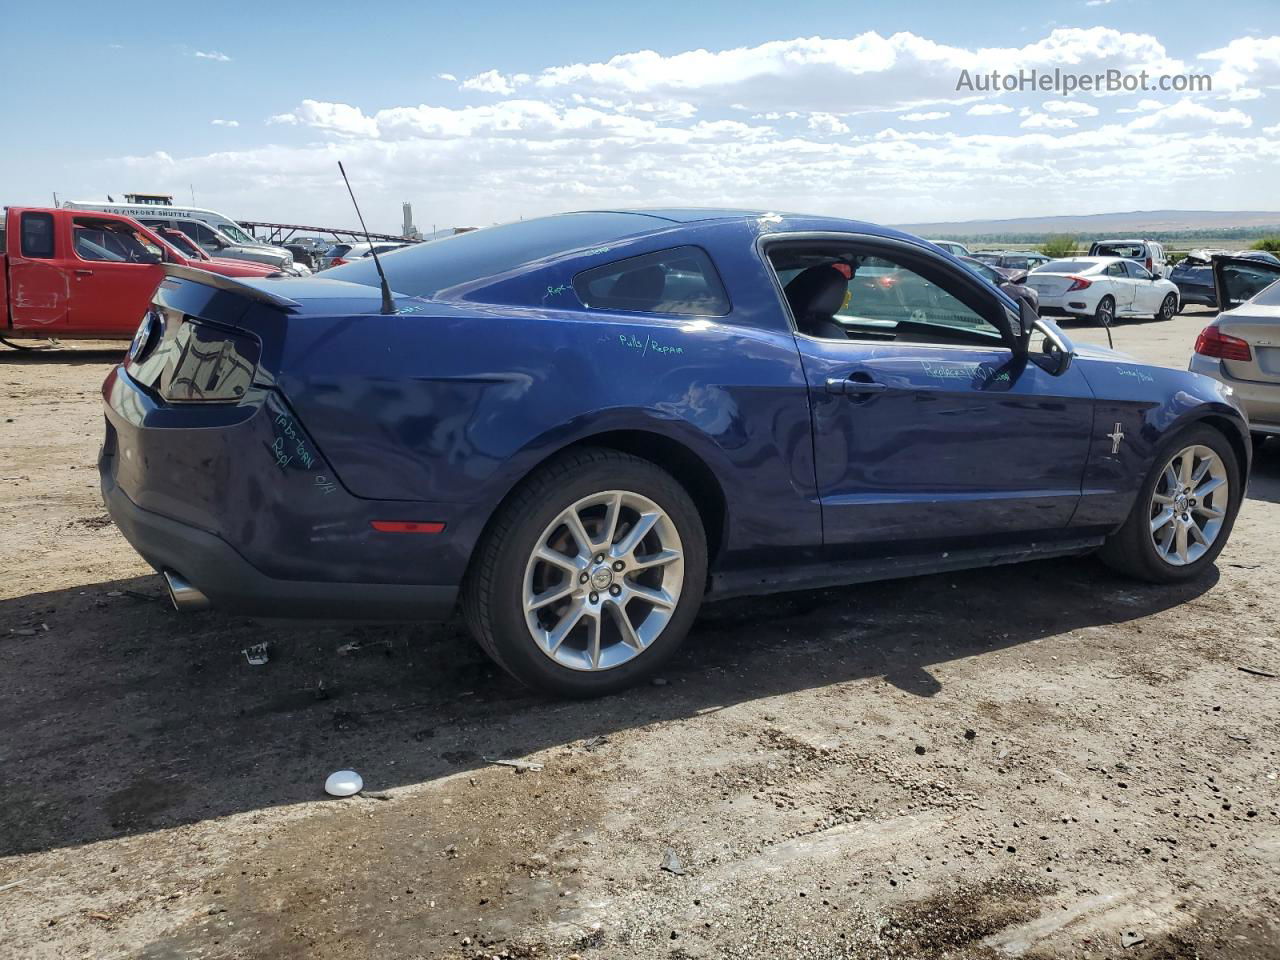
387, 306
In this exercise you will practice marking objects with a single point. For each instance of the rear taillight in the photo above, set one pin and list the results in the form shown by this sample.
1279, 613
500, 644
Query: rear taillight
1148, 264
1078, 283
1214, 343
336, 262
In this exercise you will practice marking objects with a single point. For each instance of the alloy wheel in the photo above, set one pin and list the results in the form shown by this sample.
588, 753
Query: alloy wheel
1189, 505
1106, 312
603, 580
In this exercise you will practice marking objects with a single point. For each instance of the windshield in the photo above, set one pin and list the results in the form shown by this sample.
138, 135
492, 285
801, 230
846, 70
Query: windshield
427, 268
235, 233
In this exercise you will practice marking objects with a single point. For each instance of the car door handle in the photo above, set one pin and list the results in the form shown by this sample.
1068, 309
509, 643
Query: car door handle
84, 273
846, 386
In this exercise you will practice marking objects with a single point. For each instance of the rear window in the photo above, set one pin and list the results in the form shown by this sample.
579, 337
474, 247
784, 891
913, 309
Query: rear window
1127, 250
428, 268
681, 280
1065, 266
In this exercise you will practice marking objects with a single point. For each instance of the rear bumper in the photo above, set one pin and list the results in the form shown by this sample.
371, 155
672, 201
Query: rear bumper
1260, 401
233, 584
237, 500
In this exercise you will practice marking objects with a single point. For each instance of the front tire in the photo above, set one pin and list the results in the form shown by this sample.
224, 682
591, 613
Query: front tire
590, 576
1184, 510
1168, 308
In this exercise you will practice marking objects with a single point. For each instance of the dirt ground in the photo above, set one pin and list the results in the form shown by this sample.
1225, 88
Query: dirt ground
1044, 761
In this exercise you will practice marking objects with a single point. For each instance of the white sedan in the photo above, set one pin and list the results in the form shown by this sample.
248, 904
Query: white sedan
1102, 288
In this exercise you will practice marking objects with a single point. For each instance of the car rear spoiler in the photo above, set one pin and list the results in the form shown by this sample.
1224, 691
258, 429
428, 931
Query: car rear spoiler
231, 285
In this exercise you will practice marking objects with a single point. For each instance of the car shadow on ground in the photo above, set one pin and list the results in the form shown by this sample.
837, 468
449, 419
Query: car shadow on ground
122, 716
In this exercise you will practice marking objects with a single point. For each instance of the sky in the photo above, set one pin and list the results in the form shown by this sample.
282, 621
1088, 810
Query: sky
488, 112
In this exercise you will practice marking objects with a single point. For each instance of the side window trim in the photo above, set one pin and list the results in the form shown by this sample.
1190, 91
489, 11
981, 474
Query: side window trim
877, 246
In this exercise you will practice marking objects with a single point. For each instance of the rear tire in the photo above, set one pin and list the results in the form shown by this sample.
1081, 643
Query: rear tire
1154, 544
579, 622
1105, 313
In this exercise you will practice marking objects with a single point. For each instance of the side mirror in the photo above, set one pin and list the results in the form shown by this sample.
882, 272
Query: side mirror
1027, 318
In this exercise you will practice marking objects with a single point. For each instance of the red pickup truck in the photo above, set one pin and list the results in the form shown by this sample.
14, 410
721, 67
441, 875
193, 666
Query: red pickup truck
82, 274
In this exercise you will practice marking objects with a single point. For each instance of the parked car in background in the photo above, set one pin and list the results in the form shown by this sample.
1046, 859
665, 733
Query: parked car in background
198, 258
1012, 282
1149, 253
1012, 260
583, 425
1194, 273
1241, 347
1102, 289
953, 247
71, 273
341, 253
217, 244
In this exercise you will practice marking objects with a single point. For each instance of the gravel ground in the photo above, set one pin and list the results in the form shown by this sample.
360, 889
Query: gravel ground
1045, 762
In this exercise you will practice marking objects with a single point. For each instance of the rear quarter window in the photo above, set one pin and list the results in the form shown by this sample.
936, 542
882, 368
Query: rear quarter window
681, 281
37, 235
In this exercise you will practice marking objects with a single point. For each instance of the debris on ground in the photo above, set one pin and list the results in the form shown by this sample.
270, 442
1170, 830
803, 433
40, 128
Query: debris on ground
520, 766
1256, 672
257, 654
671, 863
1131, 939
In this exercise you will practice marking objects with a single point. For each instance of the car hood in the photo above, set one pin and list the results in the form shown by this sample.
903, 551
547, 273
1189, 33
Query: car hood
1088, 351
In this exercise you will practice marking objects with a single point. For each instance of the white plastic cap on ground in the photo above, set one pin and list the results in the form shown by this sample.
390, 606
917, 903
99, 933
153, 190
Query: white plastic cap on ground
344, 783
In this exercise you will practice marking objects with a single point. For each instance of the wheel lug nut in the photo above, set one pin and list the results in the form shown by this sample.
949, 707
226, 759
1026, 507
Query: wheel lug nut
600, 558
615, 590
618, 564
595, 598
583, 578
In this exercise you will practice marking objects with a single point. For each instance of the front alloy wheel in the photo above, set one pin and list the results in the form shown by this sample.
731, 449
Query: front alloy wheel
1188, 505
1184, 511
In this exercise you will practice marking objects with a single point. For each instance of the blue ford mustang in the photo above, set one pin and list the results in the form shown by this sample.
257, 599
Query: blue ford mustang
580, 426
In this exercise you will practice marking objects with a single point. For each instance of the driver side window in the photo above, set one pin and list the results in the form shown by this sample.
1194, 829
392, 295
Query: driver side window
840, 294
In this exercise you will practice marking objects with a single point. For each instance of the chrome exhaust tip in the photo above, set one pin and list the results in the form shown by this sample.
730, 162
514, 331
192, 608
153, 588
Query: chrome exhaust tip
185, 597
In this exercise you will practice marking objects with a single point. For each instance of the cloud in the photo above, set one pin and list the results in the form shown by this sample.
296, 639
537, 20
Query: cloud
1042, 121
339, 118
989, 109
827, 123
491, 81
924, 117
836, 75
225, 123
212, 55
1245, 65
447, 76
1070, 108
1186, 110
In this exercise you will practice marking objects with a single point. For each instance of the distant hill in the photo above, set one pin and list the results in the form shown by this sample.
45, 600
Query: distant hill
1136, 222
